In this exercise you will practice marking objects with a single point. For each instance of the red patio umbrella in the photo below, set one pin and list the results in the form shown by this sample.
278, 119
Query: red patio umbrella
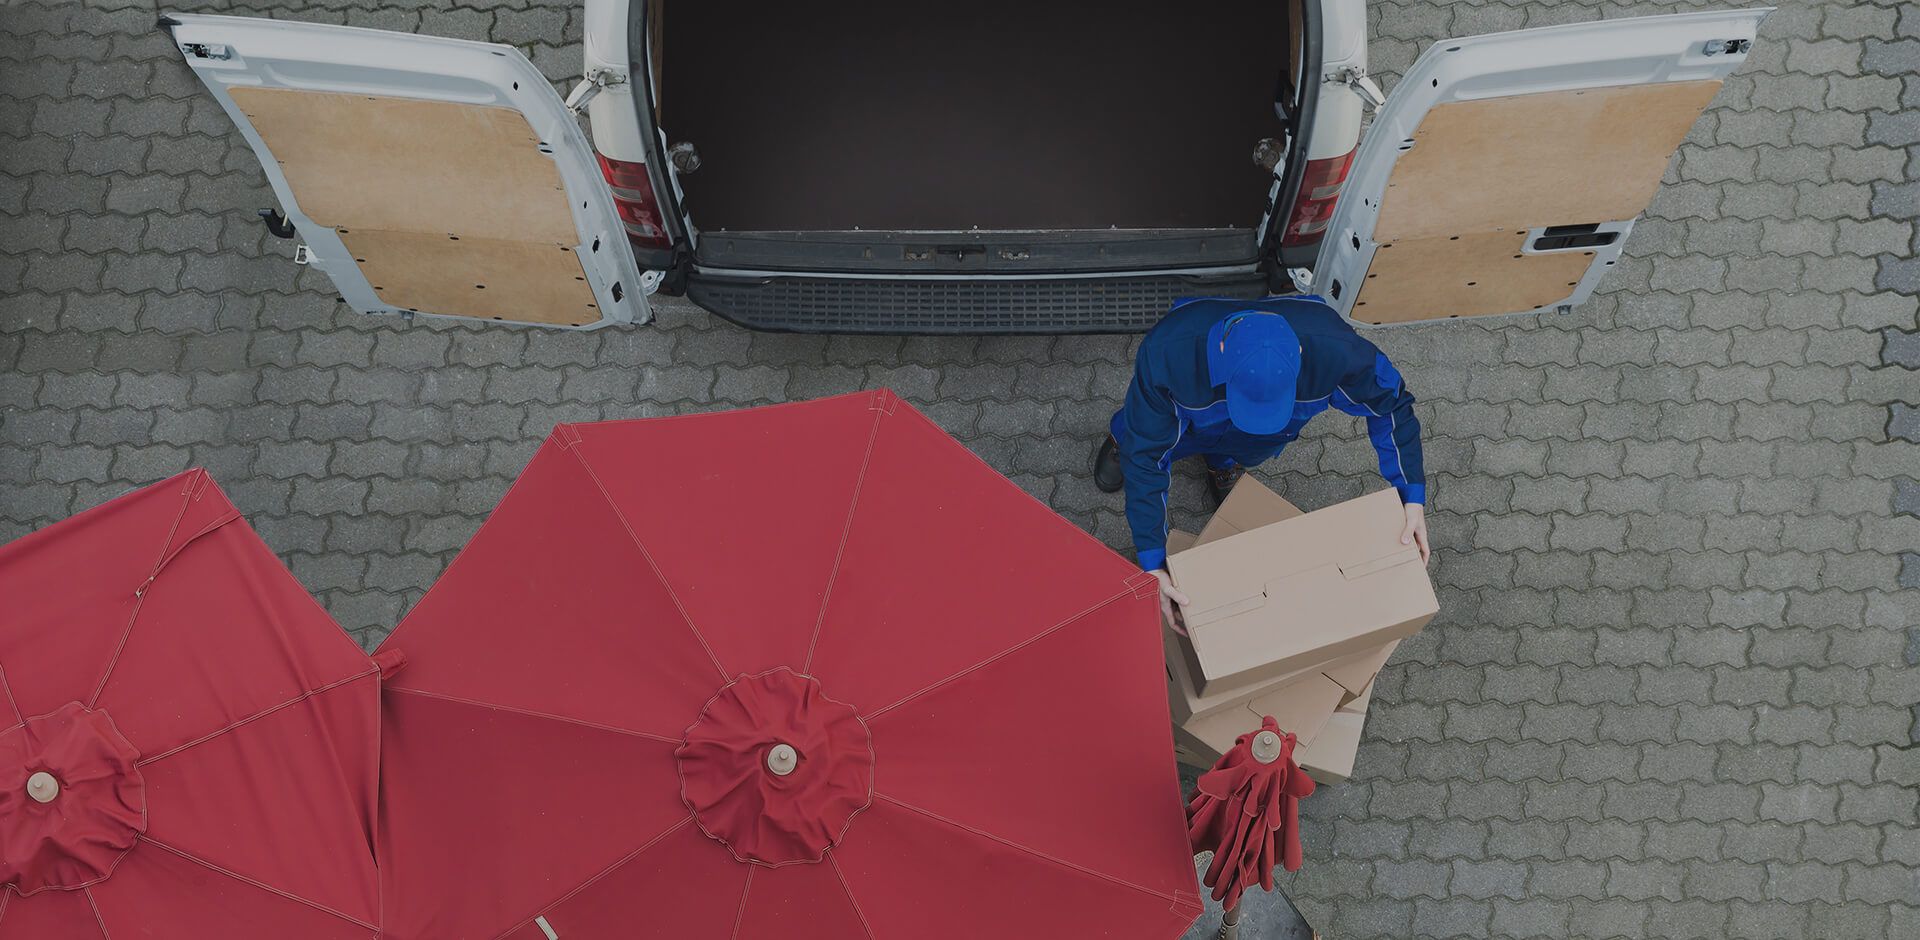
1246, 811
812, 670
188, 742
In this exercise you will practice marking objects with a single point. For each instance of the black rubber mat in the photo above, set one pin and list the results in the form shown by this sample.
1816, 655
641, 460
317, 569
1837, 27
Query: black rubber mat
989, 114
905, 305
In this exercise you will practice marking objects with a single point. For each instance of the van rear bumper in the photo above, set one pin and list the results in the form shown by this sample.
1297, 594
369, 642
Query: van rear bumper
829, 304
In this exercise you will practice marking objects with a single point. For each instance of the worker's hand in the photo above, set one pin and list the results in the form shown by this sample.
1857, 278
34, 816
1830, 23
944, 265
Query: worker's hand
1169, 596
1415, 532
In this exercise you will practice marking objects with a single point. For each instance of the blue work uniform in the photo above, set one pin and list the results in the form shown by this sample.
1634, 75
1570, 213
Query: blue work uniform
1175, 408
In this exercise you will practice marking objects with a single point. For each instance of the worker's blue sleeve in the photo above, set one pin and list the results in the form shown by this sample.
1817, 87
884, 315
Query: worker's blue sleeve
1152, 429
1377, 393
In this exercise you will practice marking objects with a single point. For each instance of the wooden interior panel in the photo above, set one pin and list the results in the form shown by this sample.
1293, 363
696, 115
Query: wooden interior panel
448, 208
528, 282
1553, 158
406, 165
1463, 276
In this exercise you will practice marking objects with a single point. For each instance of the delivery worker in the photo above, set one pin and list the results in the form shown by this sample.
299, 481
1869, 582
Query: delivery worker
1234, 381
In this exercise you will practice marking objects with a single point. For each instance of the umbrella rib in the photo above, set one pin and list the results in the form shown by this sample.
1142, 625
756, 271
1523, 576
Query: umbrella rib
14, 704
574, 449
270, 889
846, 532
1025, 849
870, 716
289, 703
604, 872
848, 888
140, 597
530, 713
97, 918
740, 915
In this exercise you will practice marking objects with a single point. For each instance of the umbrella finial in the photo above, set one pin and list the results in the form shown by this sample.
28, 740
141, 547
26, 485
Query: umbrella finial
42, 787
1266, 747
781, 759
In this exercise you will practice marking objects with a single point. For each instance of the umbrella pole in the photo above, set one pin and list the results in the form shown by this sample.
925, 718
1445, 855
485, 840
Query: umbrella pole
1230, 923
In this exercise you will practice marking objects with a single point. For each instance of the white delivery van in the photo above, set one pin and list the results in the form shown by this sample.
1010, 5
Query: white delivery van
997, 168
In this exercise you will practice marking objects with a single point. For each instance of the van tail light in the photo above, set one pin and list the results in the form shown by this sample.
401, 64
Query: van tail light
1320, 189
633, 197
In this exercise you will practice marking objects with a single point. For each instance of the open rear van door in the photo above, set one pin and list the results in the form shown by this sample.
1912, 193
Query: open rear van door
425, 175
1505, 171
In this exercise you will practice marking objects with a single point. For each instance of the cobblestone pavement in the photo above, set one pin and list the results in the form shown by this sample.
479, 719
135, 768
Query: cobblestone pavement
1671, 691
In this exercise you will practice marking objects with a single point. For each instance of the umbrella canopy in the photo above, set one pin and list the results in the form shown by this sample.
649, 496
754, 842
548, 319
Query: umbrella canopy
1246, 811
188, 744
811, 670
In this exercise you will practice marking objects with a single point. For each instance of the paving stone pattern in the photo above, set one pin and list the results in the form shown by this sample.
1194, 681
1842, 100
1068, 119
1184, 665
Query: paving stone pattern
1671, 691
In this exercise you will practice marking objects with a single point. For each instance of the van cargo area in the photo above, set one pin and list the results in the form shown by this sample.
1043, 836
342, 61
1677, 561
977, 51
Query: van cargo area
994, 115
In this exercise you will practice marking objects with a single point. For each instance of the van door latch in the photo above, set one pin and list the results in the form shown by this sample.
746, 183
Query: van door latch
596, 81
1363, 86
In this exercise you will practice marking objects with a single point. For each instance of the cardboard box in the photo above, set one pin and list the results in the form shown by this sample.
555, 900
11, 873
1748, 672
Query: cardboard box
1302, 706
1282, 597
1329, 757
1353, 673
1250, 506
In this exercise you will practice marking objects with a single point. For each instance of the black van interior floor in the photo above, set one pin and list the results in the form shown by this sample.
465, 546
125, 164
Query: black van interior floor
991, 114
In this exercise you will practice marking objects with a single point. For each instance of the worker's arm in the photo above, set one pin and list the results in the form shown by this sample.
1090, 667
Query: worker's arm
1376, 391
1153, 427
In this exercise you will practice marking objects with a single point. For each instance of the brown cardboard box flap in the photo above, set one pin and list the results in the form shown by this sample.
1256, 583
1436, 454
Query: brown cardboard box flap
1355, 673
1357, 702
1303, 590
1329, 757
1179, 540
1302, 706
1407, 555
1250, 506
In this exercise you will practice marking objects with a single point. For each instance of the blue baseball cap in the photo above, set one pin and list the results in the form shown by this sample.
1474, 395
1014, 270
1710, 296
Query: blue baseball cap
1256, 355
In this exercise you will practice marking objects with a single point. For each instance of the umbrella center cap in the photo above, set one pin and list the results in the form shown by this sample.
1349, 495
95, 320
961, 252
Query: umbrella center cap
42, 787
774, 769
72, 800
781, 759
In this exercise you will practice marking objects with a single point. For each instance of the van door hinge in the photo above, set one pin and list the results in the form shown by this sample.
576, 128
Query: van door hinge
1363, 86
207, 50
596, 81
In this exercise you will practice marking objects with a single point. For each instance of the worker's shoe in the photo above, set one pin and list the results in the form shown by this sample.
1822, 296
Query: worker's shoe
1106, 467
1220, 482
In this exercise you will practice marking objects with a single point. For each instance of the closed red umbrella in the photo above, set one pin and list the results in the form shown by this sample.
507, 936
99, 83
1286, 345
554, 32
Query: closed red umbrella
188, 743
1246, 811
812, 670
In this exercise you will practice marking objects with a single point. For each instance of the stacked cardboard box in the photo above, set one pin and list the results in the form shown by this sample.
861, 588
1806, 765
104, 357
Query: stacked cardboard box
1289, 614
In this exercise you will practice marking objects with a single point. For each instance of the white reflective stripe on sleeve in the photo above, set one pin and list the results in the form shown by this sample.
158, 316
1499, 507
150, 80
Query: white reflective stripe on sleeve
546, 928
